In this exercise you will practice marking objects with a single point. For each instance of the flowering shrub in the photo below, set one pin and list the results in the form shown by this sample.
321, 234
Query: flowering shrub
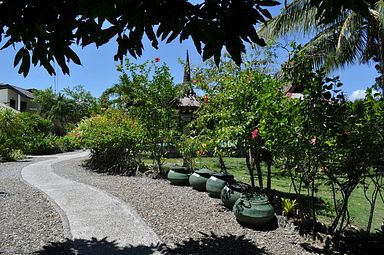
115, 141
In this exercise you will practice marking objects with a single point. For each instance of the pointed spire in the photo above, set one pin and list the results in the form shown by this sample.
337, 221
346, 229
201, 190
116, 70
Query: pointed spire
187, 70
189, 100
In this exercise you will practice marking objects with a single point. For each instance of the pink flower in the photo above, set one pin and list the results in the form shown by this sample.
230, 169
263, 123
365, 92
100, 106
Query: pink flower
313, 140
255, 133
157, 59
194, 81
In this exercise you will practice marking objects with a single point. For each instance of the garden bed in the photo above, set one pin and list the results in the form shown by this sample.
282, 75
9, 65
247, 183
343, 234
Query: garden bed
189, 221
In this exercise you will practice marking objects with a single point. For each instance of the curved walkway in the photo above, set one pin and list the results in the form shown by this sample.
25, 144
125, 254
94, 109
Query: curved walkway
91, 213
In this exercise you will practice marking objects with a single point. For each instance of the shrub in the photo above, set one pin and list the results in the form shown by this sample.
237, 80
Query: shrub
115, 141
27, 133
41, 145
68, 143
11, 134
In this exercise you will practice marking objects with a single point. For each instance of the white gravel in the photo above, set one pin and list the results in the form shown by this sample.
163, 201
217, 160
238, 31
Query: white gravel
28, 221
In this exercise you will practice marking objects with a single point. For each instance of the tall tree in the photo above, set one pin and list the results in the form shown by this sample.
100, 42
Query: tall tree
66, 108
147, 93
237, 99
349, 37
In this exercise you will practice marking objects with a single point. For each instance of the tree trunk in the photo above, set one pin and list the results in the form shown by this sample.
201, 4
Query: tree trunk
222, 165
269, 177
258, 168
372, 209
267, 158
249, 162
377, 186
382, 66
293, 182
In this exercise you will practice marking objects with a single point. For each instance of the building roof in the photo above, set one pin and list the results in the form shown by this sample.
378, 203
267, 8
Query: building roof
23, 92
190, 101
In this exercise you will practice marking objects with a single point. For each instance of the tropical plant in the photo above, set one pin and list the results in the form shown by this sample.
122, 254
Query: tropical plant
348, 37
147, 93
66, 108
230, 118
323, 136
11, 130
115, 141
288, 206
28, 133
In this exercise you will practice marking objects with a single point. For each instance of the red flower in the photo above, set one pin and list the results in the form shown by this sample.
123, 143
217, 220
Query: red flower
157, 59
255, 133
206, 98
194, 81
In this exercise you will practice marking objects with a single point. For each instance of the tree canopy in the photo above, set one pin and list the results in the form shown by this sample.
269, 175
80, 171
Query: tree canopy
349, 37
329, 10
46, 29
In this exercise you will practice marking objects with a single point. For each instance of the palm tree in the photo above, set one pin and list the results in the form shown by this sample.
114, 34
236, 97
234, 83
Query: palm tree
346, 39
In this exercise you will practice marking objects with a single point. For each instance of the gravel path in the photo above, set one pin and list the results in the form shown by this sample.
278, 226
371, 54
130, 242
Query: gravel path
28, 221
188, 221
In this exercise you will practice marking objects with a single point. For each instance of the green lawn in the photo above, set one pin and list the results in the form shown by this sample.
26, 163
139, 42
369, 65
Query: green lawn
358, 205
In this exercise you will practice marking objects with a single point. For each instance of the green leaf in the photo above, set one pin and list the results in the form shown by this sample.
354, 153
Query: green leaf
18, 57
72, 55
25, 64
327, 95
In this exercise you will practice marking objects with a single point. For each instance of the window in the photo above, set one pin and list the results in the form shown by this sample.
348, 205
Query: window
12, 103
23, 106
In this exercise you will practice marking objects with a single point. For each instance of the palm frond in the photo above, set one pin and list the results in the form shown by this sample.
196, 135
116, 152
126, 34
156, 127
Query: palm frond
344, 30
298, 16
338, 45
321, 46
378, 13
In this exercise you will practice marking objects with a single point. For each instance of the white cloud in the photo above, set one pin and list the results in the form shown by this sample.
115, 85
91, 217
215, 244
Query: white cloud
359, 94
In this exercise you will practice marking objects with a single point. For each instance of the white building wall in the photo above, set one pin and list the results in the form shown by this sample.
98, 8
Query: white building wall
7, 94
13, 95
4, 96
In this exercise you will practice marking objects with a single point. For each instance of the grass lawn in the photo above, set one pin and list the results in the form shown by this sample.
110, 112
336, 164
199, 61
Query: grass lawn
358, 205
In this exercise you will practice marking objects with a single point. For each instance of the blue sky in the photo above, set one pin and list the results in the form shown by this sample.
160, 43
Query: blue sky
98, 70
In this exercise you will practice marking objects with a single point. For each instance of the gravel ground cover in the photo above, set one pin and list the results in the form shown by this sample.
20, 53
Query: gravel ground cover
28, 221
188, 221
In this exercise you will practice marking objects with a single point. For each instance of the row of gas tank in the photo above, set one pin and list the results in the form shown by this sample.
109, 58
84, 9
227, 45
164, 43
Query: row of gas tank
250, 207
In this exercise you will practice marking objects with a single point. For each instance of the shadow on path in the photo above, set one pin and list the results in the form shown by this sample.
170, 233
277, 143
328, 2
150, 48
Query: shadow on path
214, 244
96, 247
